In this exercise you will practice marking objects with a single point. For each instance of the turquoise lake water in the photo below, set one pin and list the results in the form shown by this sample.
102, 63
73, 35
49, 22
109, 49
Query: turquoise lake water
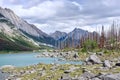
25, 59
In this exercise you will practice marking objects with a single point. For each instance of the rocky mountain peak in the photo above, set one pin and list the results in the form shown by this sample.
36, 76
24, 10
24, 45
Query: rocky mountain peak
57, 35
24, 27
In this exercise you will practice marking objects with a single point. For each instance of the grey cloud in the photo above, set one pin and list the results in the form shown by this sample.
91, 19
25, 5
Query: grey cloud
67, 15
24, 3
68, 10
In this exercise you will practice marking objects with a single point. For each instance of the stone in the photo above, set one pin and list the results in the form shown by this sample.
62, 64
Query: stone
44, 68
94, 59
90, 53
42, 73
7, 66
19, 79
96, 79
88, 75
100, 53
117, 64
106, 63
82, 78
84, 70
112, 77
75, 55
3, 75
65, 77
67, 71
73, 68
74, 79
53, 68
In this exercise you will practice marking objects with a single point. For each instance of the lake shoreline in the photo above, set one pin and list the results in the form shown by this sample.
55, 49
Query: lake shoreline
23, 59
95, 66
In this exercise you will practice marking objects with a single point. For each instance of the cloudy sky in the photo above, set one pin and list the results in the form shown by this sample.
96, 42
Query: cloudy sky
65, 15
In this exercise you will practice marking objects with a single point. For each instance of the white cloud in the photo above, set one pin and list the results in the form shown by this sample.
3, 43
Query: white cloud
65, 15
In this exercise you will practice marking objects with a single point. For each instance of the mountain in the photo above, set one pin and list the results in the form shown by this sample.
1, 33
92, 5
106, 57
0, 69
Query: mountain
77, 33
27, 29
12, 39
72, 38
17, 34
57, 35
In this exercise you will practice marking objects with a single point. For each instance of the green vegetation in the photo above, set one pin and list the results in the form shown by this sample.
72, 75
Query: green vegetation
89, 45
19, 40
12, 44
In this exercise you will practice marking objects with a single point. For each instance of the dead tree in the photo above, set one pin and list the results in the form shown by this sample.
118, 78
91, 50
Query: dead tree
102, 38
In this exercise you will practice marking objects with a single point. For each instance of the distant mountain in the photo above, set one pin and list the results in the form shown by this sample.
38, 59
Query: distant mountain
72, 38
27, 29
77, 33
58, 35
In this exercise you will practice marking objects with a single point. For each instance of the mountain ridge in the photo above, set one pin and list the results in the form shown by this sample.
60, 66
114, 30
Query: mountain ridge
26, 27
10, 33
17, 27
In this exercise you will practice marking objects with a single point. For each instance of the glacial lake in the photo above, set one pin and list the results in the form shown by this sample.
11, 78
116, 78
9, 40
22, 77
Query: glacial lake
26, 59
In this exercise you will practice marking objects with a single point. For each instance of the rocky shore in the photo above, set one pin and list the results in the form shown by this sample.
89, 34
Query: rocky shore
70, 55
96, 66
3, 75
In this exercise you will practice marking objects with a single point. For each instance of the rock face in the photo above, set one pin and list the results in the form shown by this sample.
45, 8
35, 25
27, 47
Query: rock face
58, 35
94, 59
26, 28
12, 39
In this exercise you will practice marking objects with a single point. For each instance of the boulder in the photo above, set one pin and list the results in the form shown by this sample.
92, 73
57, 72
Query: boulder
96, 79
85, 70
19, 79
117, 64
7, 66
67, 71
90, 52
94, 59
82, 78
88, 75
75, 79
65, 77
112, 77
106, 63
3, 75
100, 53
75, 55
